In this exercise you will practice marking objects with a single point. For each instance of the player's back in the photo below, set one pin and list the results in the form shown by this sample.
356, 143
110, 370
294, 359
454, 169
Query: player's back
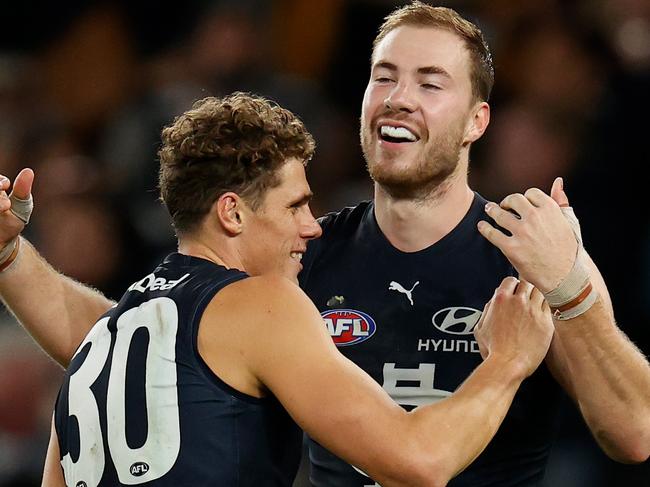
139, 405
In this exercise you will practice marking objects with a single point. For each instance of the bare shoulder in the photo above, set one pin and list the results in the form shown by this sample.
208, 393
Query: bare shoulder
262, 310
252, 325
262, 297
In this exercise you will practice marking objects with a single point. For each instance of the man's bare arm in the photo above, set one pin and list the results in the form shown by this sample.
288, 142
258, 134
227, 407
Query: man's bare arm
608, 377
278, 337
56, 310
52, 471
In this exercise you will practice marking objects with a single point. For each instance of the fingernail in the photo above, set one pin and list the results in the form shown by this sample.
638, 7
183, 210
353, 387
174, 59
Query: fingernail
489, 205
3, 180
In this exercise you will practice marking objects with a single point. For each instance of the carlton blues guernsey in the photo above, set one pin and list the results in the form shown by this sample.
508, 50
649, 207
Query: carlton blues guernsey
139, 406
407, 320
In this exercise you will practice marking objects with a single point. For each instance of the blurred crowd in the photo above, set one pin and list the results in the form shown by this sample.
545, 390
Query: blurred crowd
86, 86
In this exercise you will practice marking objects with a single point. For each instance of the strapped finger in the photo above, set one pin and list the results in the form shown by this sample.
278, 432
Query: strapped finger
22, 208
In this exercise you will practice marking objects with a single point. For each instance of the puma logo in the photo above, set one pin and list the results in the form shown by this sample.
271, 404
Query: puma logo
396, 286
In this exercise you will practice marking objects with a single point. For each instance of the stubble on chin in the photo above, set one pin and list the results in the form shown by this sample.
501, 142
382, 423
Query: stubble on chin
422, 177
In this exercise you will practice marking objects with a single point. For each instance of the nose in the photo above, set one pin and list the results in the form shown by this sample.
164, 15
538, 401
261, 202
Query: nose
310, 228
400, 99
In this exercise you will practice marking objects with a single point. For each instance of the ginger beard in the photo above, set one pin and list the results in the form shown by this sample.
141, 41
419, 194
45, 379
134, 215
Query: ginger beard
435, 162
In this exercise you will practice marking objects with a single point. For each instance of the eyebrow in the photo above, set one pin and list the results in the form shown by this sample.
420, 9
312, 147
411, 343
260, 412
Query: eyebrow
306, 198
422, 70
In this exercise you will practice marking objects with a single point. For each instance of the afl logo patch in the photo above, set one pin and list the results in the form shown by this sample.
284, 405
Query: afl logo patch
138, 469
456, 320
348, 326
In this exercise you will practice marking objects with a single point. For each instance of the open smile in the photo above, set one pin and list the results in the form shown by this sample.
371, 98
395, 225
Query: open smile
396, 133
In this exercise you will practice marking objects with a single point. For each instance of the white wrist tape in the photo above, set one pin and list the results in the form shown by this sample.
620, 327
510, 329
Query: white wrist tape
578, 306
571, 217
7, 250
9, 253
575, 294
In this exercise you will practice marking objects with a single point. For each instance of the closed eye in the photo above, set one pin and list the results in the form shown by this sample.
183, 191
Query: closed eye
301, 203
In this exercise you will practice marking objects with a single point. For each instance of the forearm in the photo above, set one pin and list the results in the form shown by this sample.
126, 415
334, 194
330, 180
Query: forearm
56, 310
455, 431
599, 284
610, 381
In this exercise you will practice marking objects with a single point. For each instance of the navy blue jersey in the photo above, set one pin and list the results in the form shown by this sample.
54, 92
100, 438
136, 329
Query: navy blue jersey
139, 405
407, 320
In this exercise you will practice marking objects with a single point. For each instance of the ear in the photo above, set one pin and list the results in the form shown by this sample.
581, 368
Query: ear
478, 123
228, 211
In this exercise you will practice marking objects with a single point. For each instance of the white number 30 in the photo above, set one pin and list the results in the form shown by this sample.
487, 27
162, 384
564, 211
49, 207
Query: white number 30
159, 452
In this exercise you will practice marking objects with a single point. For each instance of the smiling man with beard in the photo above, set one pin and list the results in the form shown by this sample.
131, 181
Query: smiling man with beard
424, 106
416, 123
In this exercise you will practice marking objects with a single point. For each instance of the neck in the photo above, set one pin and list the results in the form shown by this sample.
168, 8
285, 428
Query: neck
200, 246
411, 225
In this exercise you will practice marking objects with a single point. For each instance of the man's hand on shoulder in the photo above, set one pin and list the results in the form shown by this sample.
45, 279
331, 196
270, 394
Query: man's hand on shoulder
543, 245
516, 326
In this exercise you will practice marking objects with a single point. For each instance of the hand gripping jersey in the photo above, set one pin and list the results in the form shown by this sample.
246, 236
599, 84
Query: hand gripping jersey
407, 320
139, 406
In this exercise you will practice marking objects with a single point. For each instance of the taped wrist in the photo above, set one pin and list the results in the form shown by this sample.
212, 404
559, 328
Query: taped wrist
571, 217
575, 294
9, 253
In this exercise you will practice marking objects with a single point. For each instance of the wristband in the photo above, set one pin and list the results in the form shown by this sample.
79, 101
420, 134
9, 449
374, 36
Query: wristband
575, 294
9, 253
577, 306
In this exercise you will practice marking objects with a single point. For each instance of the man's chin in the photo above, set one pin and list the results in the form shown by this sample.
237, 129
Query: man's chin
411, 186
396, 185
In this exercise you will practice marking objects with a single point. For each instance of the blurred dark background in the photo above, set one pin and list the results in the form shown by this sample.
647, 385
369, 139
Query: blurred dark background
86, 86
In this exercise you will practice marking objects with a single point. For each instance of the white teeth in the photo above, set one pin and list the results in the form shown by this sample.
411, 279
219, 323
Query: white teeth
398, 133
296, 255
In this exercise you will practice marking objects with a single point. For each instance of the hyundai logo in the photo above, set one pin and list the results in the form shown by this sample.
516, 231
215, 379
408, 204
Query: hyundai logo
456, 320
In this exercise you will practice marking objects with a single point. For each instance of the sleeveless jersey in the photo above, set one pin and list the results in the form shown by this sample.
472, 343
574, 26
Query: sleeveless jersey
139, 405
407, 320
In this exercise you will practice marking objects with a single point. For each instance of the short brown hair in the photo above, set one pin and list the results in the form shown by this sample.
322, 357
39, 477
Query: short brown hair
235, 143
423, 15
